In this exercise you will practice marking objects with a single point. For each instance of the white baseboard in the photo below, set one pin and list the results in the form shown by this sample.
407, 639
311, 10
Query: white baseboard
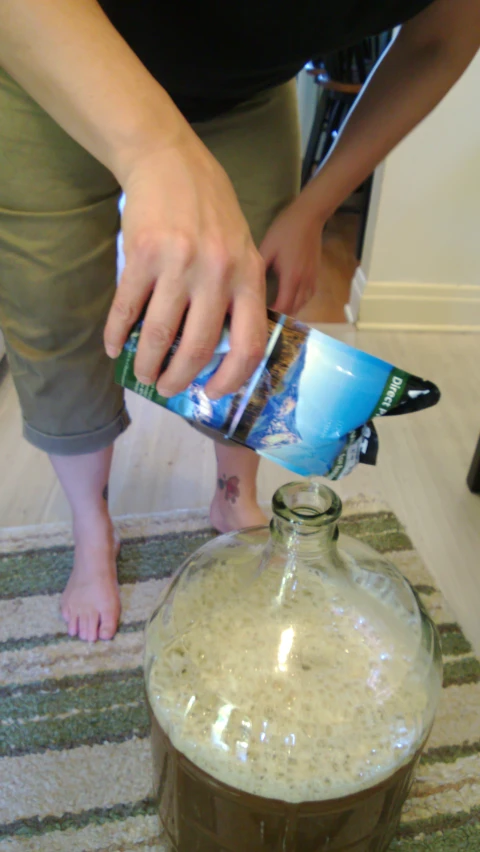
348, 314
357, 288
407, 306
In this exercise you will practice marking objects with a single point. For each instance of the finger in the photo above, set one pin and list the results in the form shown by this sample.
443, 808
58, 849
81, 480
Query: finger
248, 339
160, 327
269, 249
202, 331
304, 294
136, 284
287, 293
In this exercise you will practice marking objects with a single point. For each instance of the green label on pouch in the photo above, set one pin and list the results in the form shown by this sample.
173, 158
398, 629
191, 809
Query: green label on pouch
125, 376
350, 455
392, 392
341, 462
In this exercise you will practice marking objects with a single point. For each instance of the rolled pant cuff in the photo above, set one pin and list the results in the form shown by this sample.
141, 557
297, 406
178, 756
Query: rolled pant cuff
81, 444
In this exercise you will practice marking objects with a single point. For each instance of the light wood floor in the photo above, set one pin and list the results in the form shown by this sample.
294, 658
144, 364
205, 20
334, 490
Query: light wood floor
162, 464
338, 266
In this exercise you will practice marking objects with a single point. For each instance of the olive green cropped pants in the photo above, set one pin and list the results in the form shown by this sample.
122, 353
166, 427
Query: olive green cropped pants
58, 228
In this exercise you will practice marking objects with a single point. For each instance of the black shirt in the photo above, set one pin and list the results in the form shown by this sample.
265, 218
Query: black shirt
212, 54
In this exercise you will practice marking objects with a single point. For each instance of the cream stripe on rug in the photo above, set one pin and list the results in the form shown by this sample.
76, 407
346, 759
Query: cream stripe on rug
39, 615
137, 834
86, 778
81, 778
71, 658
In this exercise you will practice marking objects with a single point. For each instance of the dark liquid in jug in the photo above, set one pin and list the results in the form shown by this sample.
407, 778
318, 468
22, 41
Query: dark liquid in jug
287, 728
201, 814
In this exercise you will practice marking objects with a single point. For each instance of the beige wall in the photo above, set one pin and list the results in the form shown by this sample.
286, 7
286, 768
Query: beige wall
423, 238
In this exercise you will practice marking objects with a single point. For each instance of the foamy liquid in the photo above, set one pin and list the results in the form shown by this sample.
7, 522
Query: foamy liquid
290, 694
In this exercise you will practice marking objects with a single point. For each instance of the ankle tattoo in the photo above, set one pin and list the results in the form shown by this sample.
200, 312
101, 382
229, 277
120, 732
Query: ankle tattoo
105, 493
230, 487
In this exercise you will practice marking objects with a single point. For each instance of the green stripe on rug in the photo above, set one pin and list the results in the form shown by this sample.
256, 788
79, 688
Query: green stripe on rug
381, 530
83, 710
464, 839
88, 710
450, 753
453, 642
45, 572
423, 589
462, 671
59, 687
54, 638
97, 816
92, 728
108, 706
440, 822
453, 827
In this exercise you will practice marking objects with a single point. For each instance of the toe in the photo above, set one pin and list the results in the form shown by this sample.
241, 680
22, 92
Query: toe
72, 624
83, 624
108, 626
92, 627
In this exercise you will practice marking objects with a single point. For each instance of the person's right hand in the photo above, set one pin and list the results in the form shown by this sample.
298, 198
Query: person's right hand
187, 244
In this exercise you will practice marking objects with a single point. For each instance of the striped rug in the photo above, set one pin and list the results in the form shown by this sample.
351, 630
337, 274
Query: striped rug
75, 763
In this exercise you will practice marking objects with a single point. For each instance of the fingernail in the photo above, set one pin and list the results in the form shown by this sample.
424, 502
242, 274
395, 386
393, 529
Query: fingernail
144, 380
112, 351
164, 392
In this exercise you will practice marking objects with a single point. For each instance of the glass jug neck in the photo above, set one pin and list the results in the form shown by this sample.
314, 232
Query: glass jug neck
305, 516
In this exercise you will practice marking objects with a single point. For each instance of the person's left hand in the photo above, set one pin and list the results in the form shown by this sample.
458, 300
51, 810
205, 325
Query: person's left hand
293, 248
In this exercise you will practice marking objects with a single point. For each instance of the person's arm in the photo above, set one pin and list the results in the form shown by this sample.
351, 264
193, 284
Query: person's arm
184, 234
72, 61
428, 56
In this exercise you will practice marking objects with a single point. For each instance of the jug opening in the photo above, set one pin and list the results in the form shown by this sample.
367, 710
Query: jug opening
308, 502
307, 507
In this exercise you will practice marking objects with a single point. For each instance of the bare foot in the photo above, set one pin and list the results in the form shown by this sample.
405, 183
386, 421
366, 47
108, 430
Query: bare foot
227, 515
91, 600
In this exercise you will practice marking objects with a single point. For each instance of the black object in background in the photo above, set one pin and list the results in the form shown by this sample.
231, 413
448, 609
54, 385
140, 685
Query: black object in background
473, 478
341, 76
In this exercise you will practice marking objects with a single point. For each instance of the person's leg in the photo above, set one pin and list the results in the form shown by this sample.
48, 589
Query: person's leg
234, 505
258, 144
58, 226
91, 601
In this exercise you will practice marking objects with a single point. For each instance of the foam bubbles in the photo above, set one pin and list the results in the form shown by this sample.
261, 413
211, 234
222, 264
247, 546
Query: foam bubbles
302, 699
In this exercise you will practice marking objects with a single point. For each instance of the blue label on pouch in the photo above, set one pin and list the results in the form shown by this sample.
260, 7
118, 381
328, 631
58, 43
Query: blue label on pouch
309, 404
